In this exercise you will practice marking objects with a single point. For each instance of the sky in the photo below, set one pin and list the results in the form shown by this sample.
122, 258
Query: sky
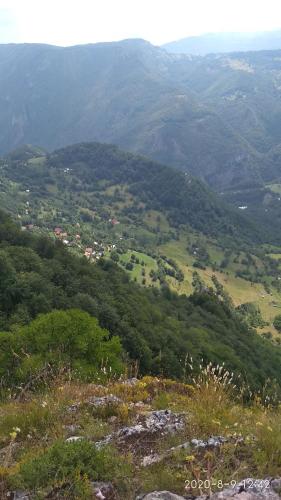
71, 22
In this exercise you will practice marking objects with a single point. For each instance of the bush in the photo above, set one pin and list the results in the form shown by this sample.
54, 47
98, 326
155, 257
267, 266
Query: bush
70, 467
277, 322
62, 339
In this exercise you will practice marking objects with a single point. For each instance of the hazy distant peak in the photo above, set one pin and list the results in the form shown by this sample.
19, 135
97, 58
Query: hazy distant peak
226, 42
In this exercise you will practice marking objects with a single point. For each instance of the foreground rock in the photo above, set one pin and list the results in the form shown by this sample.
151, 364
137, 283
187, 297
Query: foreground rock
96, 402
160, 495
104, 401
160, 422
18, 495
103, 491
248, 489
100, 491
212, 442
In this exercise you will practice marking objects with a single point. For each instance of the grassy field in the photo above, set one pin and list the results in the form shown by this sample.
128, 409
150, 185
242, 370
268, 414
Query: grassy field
276, 256
149, 265
154, 219
275, 188
238, 288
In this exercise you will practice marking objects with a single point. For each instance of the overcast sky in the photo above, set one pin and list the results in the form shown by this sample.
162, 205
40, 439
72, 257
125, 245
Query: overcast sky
70, 22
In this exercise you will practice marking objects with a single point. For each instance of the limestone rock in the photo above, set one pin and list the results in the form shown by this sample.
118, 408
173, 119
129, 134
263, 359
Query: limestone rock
103, 401
103, 491
212, 442
18, 495
74, 439
156, 458
131, 381
249, 489
160, 495
161, 421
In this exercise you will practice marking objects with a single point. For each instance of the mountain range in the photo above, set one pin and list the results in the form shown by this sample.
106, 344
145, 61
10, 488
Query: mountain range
217, 117
140, 296
219, 43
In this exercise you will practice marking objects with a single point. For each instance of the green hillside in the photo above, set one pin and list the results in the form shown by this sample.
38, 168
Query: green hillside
216, 117
91, 176
159, 225
157, 329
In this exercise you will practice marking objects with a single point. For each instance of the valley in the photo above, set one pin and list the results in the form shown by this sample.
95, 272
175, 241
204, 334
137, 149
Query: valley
95, 213
140, 268
216, 117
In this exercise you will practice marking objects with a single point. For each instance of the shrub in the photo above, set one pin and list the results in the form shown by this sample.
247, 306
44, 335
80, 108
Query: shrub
277, 322
60, 339
70, 467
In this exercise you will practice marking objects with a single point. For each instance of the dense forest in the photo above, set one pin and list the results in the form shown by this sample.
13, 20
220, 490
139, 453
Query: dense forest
187, 200
85, 170
156, 327
199, 114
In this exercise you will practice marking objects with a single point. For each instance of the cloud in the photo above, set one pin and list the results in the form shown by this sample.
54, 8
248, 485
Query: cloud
8, 25
67, 22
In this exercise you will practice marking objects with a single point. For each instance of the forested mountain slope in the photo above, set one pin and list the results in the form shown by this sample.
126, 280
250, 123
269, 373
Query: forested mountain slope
89, 169
164, 227
216, 116
157, 328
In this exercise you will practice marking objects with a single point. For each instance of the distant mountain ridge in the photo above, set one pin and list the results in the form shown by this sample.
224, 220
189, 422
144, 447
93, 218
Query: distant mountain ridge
216, 117
214, 43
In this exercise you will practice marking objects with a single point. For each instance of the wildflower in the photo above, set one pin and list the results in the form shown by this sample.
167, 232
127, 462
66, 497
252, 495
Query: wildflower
269, 428
142, 384
44, 404
259, 424
190, 458
178, 475
13, 435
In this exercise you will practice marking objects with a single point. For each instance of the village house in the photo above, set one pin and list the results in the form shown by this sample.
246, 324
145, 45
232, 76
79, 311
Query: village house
114, 221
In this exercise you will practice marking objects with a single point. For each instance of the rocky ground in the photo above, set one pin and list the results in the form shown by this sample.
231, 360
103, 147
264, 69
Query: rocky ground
150, 439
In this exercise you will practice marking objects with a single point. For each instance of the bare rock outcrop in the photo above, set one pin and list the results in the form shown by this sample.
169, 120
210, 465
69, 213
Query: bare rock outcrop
160, 422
